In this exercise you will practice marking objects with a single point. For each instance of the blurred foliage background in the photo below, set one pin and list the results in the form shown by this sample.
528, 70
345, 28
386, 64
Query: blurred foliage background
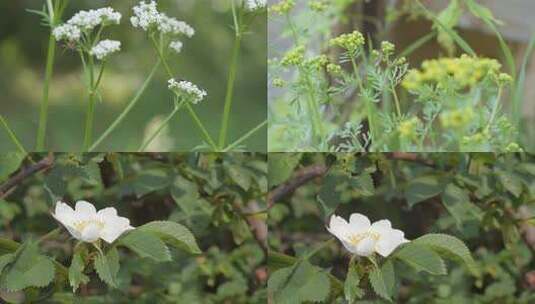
214, 195
486, 200
204, 61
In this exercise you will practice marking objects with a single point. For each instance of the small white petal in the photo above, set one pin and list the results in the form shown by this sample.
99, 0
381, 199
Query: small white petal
64, 213
381, 227
389, 242
359, 223
338, 227
90, 233
366, 246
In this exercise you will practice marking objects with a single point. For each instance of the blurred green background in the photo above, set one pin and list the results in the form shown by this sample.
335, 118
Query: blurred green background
203, 61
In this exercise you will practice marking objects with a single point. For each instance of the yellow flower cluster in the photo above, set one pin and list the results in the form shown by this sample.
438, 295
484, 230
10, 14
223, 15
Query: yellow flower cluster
318, 5
278, 82
466, 71
387, 48
408, 127
318, 62
458, 118
283, 7
334, 69
513, 147
295, 57
350, 42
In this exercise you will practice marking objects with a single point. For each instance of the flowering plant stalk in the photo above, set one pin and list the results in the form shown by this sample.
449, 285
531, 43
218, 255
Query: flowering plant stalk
344, 92
84, 33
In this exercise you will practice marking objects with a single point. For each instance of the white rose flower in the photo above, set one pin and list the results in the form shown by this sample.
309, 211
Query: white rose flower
87, 225
363, 238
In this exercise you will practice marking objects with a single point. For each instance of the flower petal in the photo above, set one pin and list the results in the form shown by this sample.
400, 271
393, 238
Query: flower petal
339, 227
64, 213
388, 242
381, 227
114, 227
90, 233
359, 223
366, 246
85, 211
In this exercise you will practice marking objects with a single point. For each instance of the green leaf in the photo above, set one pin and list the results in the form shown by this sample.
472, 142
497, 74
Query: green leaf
457, 202
449, 247
352, 291
149, 181
9, 163
29, 269
241, 176
421, 258
423, 188
363, 184
104, 270
510, 181
449, 18
382, 280
76, 272
299, 283
5, 260
281, 167
146, 245
173, 234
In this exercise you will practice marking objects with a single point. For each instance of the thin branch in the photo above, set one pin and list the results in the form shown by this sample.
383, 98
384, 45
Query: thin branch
24, 173
300, 178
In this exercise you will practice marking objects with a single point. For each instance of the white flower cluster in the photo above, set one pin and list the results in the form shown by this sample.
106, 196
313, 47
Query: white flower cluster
176, 46
253, 5
88, 20
105, 48
190, 91
67, 32
147, 16
85, 21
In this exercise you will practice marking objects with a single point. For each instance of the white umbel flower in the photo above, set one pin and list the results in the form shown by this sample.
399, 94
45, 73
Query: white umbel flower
363, 238
88, 20
168, 25
253, 5
145, 15
188, 90
104, 48
176, 46
66, 32
87, 225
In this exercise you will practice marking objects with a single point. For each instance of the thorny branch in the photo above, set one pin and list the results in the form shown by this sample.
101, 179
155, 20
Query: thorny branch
25, 172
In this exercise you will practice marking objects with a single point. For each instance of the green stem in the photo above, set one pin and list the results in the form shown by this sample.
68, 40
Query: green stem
495, 109
230, 90
368, 104
43, 115
313, 109
12, 135
90, 113
245, 137
396, 100
201, 127
128, 108
188, 105
160, 128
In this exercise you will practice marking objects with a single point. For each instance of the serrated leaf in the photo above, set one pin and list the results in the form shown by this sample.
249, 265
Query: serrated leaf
174, 234
449, 247
510, 182
113, 260
457, 202
104, 270
382, 280
76, 272
5, 260
363, 184
421, 258
423, 188
29, 269
352, 291
281, 167
299, 283
146, 245
241, 176
9, 163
